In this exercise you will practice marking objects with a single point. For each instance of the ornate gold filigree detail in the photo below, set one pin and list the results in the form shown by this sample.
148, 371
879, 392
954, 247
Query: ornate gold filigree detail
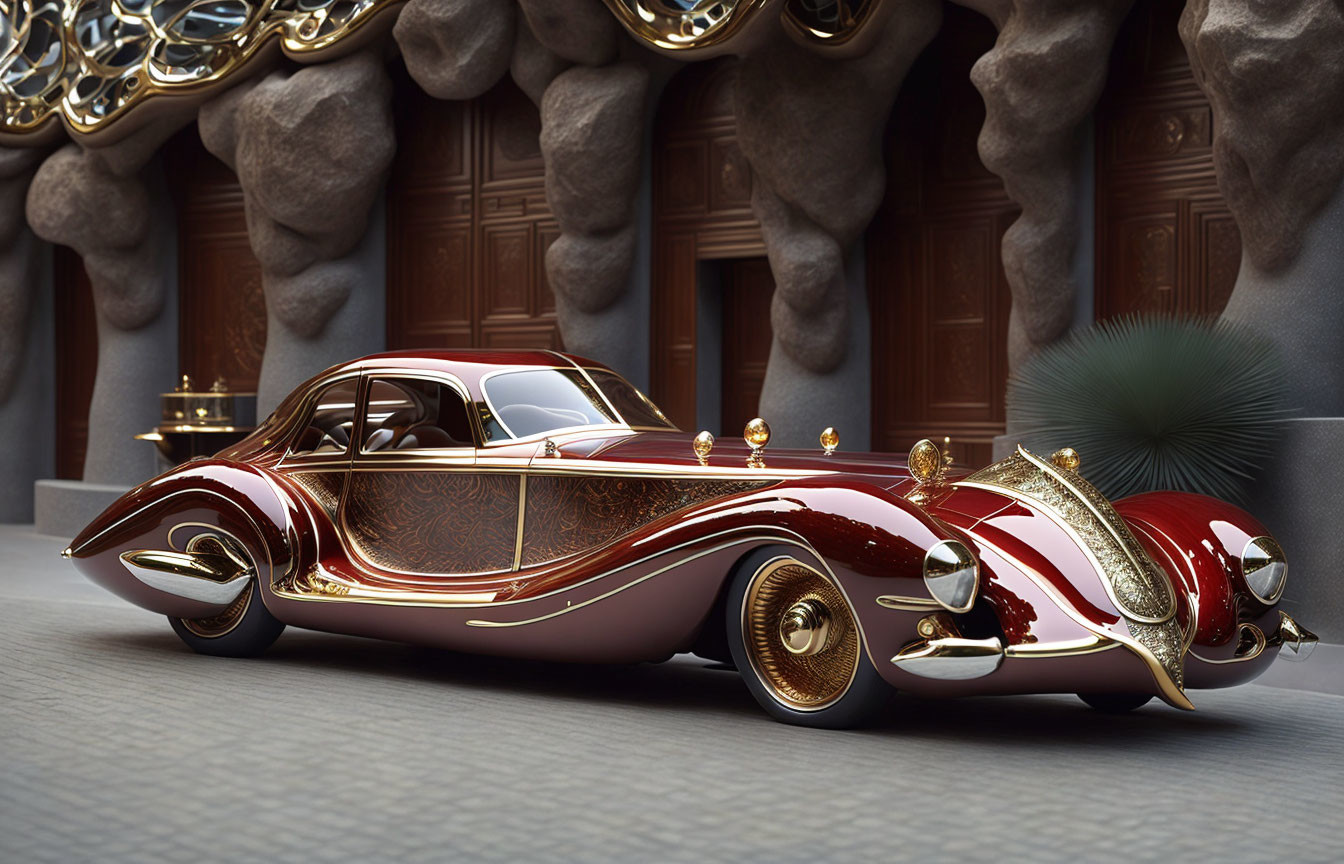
91, 61
310, 582
1140, 590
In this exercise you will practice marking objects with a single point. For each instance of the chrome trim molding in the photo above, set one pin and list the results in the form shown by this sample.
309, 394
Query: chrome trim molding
199, 576
951, 658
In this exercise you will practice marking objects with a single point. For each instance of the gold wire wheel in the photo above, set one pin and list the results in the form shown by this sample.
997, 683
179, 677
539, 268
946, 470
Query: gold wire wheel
218, 625
800, 635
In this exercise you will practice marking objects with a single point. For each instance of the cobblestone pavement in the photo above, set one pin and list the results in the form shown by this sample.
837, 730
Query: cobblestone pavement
117, 743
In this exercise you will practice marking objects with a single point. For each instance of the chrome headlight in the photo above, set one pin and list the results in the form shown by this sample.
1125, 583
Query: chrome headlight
1265, 568
952, 575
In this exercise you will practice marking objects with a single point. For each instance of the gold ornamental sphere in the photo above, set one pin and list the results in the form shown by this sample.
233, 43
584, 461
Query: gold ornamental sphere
830, 439
1066, 458
925, 461
757, 433
702, 445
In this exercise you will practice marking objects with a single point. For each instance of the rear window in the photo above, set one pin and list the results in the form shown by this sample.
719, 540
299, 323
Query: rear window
331, 423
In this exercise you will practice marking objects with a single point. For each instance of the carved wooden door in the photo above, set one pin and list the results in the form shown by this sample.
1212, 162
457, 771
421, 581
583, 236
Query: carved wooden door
937, 293
1166, 242
748, 286
702, 218
468, 225
221, 305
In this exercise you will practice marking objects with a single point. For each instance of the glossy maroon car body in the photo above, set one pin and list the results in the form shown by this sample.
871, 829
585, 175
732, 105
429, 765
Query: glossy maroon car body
613, 543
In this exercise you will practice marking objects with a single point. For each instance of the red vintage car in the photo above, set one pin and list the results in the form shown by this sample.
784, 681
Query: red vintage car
535, 504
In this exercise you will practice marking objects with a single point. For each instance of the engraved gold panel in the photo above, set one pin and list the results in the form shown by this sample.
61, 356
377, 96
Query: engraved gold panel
569, 515
1140, 591
451, 522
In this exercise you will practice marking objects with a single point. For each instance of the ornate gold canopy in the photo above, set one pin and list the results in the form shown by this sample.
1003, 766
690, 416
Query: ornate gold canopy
89, 62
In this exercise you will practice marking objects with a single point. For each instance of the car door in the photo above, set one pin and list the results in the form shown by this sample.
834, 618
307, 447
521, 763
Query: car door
318, 458
418, 507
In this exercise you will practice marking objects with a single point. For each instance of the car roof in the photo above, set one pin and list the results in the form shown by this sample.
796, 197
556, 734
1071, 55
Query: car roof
468, 364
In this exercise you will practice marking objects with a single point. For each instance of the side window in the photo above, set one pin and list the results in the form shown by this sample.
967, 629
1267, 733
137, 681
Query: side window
332, 422
414, 414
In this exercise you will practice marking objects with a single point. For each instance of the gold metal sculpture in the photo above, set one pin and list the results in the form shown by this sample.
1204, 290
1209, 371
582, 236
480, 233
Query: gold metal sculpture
708, 27
89, 62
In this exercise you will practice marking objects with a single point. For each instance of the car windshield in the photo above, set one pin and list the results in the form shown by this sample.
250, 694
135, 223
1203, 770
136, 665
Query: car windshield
535, 401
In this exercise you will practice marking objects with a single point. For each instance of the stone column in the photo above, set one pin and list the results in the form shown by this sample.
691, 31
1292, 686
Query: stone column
595, 111
26, 406
311, 149
1274, 74
1040, 83
111, 205
811, 126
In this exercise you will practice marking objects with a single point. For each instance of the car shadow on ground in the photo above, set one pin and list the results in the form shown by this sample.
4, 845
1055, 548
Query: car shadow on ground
690, 684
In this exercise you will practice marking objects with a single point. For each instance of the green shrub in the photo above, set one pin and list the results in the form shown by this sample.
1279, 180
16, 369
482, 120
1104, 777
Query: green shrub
1154, 403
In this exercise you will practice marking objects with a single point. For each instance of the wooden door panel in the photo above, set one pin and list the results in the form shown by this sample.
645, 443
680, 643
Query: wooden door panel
701, 213
748, 286
1165, 241
76, 343
221, 301
938, 297
468, 225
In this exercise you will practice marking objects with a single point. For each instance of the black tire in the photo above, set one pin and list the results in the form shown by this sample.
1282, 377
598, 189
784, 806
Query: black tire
845, 705
1115, 703
245, 629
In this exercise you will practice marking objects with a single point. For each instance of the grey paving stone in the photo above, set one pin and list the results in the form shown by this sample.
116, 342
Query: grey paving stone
119, 744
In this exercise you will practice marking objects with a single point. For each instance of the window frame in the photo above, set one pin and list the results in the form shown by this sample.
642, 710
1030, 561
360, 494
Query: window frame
463, 454
309, 407
619, 424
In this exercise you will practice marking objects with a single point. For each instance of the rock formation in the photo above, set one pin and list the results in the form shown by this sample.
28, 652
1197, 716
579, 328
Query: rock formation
811, 127
1274, 74
311, 149
1040, 83
456, 49
111, 205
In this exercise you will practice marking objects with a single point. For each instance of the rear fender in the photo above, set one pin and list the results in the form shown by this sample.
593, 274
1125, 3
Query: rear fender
161, 518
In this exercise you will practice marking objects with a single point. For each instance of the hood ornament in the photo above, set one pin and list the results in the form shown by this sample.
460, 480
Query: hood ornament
830, 439
928, 465
702, 445
757, 435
